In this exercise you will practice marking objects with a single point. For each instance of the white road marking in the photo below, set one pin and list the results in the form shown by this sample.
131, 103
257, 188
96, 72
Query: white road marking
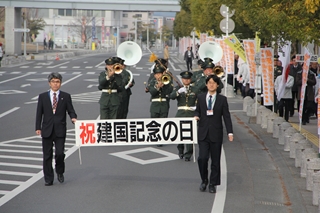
8, 195
9, 111
25, 85
75, 67
16, 173
100, 64
11, 79
220, 197
59, 64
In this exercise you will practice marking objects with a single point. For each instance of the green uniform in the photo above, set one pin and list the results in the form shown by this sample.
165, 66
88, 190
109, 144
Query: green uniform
200, 84
159, 104
125, 95
110, 99
186, 107
196, 74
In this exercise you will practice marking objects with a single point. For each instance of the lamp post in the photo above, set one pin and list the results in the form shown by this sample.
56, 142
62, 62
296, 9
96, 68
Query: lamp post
54, 29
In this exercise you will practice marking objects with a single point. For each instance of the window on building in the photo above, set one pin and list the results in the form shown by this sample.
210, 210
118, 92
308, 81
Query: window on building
68, 12
125, 26
74, 13
125, 15
103, 13
138, 15
89, 13
43, 13
61, 12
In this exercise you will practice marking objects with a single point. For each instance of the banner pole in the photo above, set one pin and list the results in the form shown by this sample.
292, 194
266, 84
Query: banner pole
80, 156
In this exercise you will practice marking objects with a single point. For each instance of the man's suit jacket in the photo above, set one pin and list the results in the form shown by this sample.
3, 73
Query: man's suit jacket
186, 57
212, 125
46, 121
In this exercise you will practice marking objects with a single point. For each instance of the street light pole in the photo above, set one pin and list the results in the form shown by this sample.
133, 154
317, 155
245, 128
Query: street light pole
54, 29
24, 35
135, 23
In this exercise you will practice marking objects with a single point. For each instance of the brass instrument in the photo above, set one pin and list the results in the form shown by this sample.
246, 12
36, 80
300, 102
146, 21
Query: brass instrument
117, 68
165, 79
218, 71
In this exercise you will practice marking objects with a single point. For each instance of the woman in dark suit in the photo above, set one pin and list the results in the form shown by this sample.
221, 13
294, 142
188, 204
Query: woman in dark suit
52, 126
211, 108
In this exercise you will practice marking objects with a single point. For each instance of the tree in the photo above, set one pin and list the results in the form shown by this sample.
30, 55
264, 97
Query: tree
33, 22
82, 27
182, 25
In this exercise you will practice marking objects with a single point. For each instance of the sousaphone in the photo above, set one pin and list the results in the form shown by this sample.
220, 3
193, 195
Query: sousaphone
210, 49
131, 53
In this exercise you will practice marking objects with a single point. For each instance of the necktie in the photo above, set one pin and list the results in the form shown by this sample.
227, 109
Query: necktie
210, 102
55, 102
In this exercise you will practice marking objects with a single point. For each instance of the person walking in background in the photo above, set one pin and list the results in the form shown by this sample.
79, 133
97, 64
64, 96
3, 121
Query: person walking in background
309, 95
52, 126
284, 96
210, 109
45, 43
295, 67
188, 57
166, 54
1, 53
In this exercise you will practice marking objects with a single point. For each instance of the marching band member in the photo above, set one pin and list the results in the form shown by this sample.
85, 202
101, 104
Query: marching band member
186, 97
159, 91
197, 72
126, 92
111, 86
207, 70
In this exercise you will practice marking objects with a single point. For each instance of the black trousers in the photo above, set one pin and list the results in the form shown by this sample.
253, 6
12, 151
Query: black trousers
47, 149
189, 63
213, 149
284, 107
294, 97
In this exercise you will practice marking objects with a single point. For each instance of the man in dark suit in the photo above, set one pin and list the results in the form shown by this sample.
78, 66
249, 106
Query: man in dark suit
188, 57
211, 108
52, 126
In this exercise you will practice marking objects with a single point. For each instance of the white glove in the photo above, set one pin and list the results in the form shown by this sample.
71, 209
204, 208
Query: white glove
181, 90
193, 108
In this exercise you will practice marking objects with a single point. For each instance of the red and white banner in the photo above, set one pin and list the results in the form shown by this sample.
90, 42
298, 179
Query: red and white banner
222, 44
150, 131
229, 56
267, 76
250, 47
305, 71
203, 38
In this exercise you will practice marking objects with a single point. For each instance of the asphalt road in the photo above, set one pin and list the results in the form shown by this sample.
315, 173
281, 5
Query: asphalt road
257, 175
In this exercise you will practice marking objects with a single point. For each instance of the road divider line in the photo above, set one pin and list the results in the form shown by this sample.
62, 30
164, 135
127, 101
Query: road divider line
220, 197
9, 111
59, 64
11, 79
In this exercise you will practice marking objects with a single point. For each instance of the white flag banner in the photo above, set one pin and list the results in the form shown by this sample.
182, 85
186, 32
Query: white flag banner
149, 131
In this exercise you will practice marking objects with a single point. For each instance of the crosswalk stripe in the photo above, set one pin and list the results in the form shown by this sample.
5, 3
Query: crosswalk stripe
21, 165
3, 192
17, 173
20, 157
20, 151
11, 182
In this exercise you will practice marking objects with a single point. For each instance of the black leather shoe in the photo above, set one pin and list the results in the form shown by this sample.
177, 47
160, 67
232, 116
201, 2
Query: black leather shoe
303, 123
180, 155
159, 145
60, 178
203, 185
48, 183
212, 188
187, 159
